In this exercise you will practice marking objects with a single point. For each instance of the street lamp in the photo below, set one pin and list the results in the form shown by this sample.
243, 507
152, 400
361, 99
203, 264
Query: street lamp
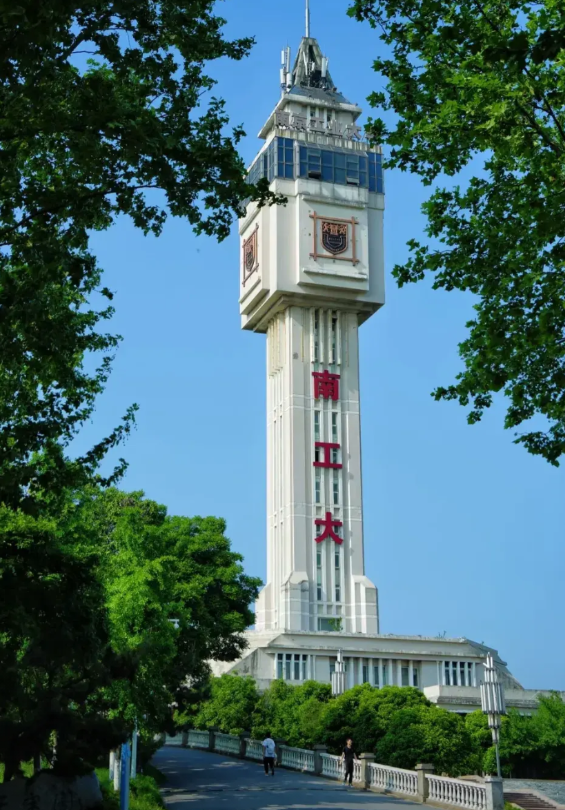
493, 704
338, 677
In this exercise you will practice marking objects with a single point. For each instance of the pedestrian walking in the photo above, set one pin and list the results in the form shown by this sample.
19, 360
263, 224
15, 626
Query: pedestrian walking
348, 757
269, 754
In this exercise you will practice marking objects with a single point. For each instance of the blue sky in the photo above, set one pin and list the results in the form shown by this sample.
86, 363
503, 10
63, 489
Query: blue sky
463, 530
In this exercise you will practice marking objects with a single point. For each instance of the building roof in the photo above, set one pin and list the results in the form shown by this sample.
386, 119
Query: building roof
310, 75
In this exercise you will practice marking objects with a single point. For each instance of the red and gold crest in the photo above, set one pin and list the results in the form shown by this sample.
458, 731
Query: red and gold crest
250, 255
333, 238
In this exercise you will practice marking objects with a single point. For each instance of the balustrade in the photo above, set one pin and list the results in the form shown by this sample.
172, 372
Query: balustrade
226, 743
198, 739
332, 766
458, 792
254, 750
299, 759
396, 780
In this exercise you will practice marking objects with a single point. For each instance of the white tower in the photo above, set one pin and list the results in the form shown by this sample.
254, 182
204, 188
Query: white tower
311, 274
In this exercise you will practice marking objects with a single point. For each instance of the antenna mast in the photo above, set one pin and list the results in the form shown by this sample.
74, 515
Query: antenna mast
308, 19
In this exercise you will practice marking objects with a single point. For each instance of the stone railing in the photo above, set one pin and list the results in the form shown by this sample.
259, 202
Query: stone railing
422, 784
457, 792
331, 766
227, 743
198, 739
254, 750
298, 759
393, 780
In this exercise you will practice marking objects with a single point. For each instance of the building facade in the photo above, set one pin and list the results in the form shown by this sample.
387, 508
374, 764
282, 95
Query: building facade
311, 273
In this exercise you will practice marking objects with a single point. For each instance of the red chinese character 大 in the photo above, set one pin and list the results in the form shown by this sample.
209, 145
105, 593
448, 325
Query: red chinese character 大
328, 529
327, 461
326, 385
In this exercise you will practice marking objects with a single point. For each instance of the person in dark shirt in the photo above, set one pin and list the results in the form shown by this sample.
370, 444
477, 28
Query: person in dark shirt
348, 758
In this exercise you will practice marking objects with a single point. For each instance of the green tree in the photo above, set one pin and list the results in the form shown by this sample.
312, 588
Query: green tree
105, 111
486, 79
230, 706
426, 734
55, 652
177, 595
292, 713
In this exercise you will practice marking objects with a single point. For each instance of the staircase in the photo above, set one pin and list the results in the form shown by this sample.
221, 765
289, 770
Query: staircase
529, 801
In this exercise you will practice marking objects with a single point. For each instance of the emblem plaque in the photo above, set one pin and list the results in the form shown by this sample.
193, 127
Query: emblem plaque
250, 255
333, 238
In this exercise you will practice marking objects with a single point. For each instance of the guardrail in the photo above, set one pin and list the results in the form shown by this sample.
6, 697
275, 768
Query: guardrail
422, 784
298, 759
393, 780
457, 792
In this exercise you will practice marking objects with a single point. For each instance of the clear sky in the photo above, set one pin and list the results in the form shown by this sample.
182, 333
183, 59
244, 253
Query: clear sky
463, 530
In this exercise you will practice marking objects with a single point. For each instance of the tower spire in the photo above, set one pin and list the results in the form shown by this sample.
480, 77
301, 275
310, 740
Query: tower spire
308, 19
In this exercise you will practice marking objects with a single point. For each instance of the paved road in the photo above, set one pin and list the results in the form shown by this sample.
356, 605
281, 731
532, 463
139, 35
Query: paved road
197, 779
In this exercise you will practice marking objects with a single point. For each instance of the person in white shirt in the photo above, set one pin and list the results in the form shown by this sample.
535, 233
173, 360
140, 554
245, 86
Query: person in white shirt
269, 754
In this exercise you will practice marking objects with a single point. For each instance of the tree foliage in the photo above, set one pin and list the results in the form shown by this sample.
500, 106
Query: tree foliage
105, 111
176, 593
55, 653
486, 78
230, 705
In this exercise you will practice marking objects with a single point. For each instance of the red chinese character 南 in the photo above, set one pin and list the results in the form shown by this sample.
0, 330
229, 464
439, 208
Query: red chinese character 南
328, 455
326, 385
328, 533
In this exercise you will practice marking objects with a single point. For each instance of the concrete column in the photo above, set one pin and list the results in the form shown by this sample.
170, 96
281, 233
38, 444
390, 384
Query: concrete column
399, 673
184, 739
474, 673
423, 785
365, 771
112, 765
371, 665
318, 764
390, 672
243, 743
442, 665
313, 671
381, 673
117, 769
212, 738
495, 793
278, 751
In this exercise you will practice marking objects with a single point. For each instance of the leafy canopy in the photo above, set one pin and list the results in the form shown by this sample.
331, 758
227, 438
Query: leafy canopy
105, 110
486, 78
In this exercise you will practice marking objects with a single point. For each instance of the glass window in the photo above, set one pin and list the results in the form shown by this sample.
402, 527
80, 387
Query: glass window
385, 674
365, 673
335, 439
376, 674
304, 667
447, 674
318, 486
462, 668
316, 336
285, 158
317, 426
454, 680
335, 451
296, 667
334, 339
469, 674
279, 665
319, 571
336, 488
288, 663
332, 666
405, 676
415, 676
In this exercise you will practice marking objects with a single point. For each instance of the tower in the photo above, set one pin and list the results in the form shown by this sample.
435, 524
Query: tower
311, 274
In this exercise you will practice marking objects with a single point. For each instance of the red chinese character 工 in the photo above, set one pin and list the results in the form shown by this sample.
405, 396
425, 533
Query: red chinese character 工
327, 460
326, 385
328, 532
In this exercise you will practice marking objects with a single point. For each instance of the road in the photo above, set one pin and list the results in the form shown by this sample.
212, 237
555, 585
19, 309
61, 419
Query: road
197, 779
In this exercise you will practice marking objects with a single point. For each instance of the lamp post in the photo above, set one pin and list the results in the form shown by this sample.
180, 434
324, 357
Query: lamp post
493, 704
338, 677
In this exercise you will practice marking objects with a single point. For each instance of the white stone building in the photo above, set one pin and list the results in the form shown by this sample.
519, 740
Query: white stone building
311, 273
